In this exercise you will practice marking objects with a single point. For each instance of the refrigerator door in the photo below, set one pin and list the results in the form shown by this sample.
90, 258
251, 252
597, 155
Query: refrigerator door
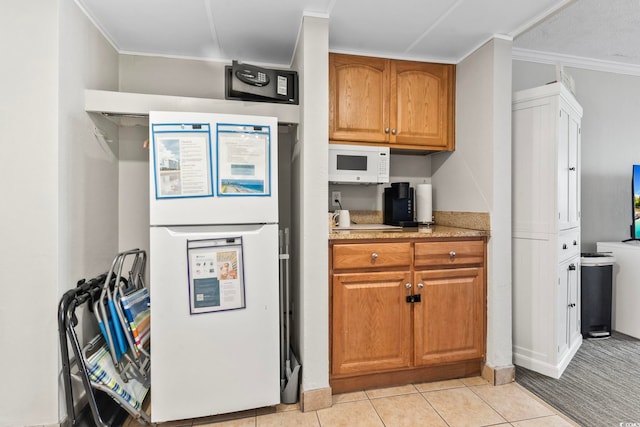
212, 169
211, 361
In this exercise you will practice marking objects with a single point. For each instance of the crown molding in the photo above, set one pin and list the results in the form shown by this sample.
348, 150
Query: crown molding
520, 54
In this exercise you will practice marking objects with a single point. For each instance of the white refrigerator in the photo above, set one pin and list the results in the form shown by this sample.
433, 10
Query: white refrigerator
213, 264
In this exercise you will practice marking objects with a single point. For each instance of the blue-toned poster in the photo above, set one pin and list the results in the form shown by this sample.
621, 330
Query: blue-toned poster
182, 160
243, 160
216, 281
206, 292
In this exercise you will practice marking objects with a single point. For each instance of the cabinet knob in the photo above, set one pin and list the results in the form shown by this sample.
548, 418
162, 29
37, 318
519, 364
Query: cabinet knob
572, 267
575, 243
452, 254
393, 131
374, 256
386, 130
408, 286
573, 304
564, 246
420, 285
572, 168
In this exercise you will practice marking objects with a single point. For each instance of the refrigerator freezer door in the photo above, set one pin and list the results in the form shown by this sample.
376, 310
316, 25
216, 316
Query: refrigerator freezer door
198, 162
220, 361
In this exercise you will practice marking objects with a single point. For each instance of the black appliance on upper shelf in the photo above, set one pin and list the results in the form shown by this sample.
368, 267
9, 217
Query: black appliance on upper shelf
246, 82
399, 205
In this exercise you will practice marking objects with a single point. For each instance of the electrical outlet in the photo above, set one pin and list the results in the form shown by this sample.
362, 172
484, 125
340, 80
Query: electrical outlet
336, 195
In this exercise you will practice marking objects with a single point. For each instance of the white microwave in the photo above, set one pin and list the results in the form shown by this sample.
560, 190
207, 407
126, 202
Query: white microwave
355, 164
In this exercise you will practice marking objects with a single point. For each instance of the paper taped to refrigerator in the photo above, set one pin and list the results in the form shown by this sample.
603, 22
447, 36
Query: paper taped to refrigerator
243, 160
216, 280
182, 164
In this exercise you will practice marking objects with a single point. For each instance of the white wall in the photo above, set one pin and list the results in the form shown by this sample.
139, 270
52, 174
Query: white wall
88, 152
412, 168
170, 76
59, 183
133, 189
310, 224
610, 138
29, 214
477, 176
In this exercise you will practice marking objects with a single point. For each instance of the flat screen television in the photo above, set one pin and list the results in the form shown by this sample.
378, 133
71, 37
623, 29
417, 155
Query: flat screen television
635, 203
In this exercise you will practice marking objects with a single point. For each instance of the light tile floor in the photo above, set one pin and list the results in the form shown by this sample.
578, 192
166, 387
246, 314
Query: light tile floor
468, 402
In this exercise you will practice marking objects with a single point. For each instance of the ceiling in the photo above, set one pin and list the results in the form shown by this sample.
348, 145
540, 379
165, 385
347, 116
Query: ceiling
265, 32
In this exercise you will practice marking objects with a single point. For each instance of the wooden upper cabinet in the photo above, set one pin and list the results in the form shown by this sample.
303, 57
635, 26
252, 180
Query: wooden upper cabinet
422, 102
402, 104
359, 98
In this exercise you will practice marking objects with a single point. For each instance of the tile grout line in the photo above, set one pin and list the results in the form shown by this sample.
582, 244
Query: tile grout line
490, 405
422, 394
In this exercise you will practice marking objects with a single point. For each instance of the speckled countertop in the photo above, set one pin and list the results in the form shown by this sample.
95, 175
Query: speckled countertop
422, 232
474, 224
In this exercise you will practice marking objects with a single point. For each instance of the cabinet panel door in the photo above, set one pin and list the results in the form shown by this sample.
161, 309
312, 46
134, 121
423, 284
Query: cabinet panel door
574, 299
371, 329
568, 168
422, 104
358, 98
562, 309
574, 171
449, 320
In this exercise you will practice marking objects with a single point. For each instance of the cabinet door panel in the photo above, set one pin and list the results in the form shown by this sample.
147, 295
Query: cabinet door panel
574, 299
562, 310
358, 98
422, 104
563, 169
371, 328
574, 171
449, 321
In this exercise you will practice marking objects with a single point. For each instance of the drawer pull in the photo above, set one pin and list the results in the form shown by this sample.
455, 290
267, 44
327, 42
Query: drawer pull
408, 286
452, 254
374, 256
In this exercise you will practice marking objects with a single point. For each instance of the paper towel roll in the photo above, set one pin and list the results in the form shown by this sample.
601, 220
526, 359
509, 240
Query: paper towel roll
424, 213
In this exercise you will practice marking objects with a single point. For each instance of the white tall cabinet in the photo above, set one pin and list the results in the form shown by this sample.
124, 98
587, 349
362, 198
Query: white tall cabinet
546, 228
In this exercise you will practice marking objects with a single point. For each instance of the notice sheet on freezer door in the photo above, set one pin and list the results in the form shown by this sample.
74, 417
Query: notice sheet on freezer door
216, 280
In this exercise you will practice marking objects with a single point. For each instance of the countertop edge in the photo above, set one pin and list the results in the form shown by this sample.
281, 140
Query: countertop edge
433, 232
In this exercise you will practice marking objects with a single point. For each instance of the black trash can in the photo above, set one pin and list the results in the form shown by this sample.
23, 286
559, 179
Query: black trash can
596, 294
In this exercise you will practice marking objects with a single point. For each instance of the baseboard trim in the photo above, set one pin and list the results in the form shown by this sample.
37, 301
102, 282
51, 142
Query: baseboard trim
499, 375
545, 368
312, 400
347, 384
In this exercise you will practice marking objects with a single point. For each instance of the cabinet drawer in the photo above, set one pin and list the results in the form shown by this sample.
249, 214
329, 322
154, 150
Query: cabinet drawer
371, 255
458, 253
568, 244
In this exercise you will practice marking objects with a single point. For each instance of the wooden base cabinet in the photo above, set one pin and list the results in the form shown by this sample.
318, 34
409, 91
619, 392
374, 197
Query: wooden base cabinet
449, 319
406, 311
372, 323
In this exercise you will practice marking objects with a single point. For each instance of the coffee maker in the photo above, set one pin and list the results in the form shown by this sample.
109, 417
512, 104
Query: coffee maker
399, 203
